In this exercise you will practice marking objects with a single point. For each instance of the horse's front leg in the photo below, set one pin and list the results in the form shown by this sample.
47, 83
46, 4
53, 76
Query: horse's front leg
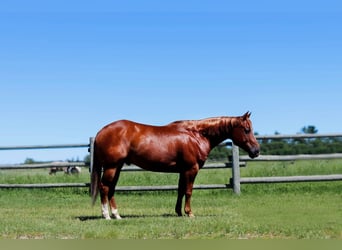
188, 180
181, 193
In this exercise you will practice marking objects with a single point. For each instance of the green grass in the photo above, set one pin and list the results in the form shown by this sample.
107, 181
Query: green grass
293, 210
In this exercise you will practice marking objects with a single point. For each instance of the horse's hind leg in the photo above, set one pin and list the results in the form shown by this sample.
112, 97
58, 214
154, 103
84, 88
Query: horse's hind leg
107, 189
111, 198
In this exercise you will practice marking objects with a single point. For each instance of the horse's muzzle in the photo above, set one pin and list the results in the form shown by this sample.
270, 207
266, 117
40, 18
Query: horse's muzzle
254, 152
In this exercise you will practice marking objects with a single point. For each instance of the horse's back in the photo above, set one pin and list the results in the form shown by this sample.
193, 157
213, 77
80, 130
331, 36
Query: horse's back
156, 148
126, 133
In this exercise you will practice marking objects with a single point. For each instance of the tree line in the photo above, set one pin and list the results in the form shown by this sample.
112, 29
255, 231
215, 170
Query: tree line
289, 146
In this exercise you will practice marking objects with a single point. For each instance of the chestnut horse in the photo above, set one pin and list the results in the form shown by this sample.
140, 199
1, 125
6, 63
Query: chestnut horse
179, 147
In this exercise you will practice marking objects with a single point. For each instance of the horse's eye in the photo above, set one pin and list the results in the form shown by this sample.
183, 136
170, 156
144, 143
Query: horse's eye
247, 130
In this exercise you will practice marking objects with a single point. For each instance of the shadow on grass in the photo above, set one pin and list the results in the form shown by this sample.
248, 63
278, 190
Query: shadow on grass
129, 216
86, 218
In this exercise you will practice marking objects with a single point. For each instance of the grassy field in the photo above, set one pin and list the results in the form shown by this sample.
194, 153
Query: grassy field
281, 211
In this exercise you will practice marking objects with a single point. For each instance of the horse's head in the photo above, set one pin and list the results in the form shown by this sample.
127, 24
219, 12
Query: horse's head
243, 136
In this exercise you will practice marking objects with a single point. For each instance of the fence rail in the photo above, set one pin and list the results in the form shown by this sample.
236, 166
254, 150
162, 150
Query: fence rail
118, 188
236, 162
44, 185
293, 157
236, 181
286, 179
84, 164
42, 165
80, 145
297, 136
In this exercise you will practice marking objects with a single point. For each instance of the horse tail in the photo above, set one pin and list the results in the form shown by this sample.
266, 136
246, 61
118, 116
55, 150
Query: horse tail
95, 177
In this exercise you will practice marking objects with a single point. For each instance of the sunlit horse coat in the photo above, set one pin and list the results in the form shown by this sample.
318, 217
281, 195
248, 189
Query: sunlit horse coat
179, 147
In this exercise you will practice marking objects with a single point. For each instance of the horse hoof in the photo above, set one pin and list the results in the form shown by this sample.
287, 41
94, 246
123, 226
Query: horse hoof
117, 217
107, 217
191, 215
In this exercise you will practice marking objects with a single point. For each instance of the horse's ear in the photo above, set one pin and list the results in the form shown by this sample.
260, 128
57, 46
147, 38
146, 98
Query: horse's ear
246, 115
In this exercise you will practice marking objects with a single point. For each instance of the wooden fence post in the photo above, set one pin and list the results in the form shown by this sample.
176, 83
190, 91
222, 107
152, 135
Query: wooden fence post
235, 169
91, 151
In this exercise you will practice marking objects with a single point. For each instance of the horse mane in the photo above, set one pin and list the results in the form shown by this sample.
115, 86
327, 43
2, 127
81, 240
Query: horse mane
208, 127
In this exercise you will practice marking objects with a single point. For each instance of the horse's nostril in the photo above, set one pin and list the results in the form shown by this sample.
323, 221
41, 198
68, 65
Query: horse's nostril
254, 152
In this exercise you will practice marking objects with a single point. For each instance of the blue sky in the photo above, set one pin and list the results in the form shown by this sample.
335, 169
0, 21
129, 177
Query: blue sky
69, 68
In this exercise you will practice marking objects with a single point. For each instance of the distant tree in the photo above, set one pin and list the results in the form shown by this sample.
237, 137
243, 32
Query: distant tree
87, 159
29, 161
310, 129
219, 153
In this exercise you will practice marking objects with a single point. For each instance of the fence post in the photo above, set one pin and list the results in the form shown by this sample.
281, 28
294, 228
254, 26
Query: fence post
91, 151
235, 169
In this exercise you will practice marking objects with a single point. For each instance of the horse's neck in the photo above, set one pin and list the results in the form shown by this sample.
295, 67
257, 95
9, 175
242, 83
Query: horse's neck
215, 130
